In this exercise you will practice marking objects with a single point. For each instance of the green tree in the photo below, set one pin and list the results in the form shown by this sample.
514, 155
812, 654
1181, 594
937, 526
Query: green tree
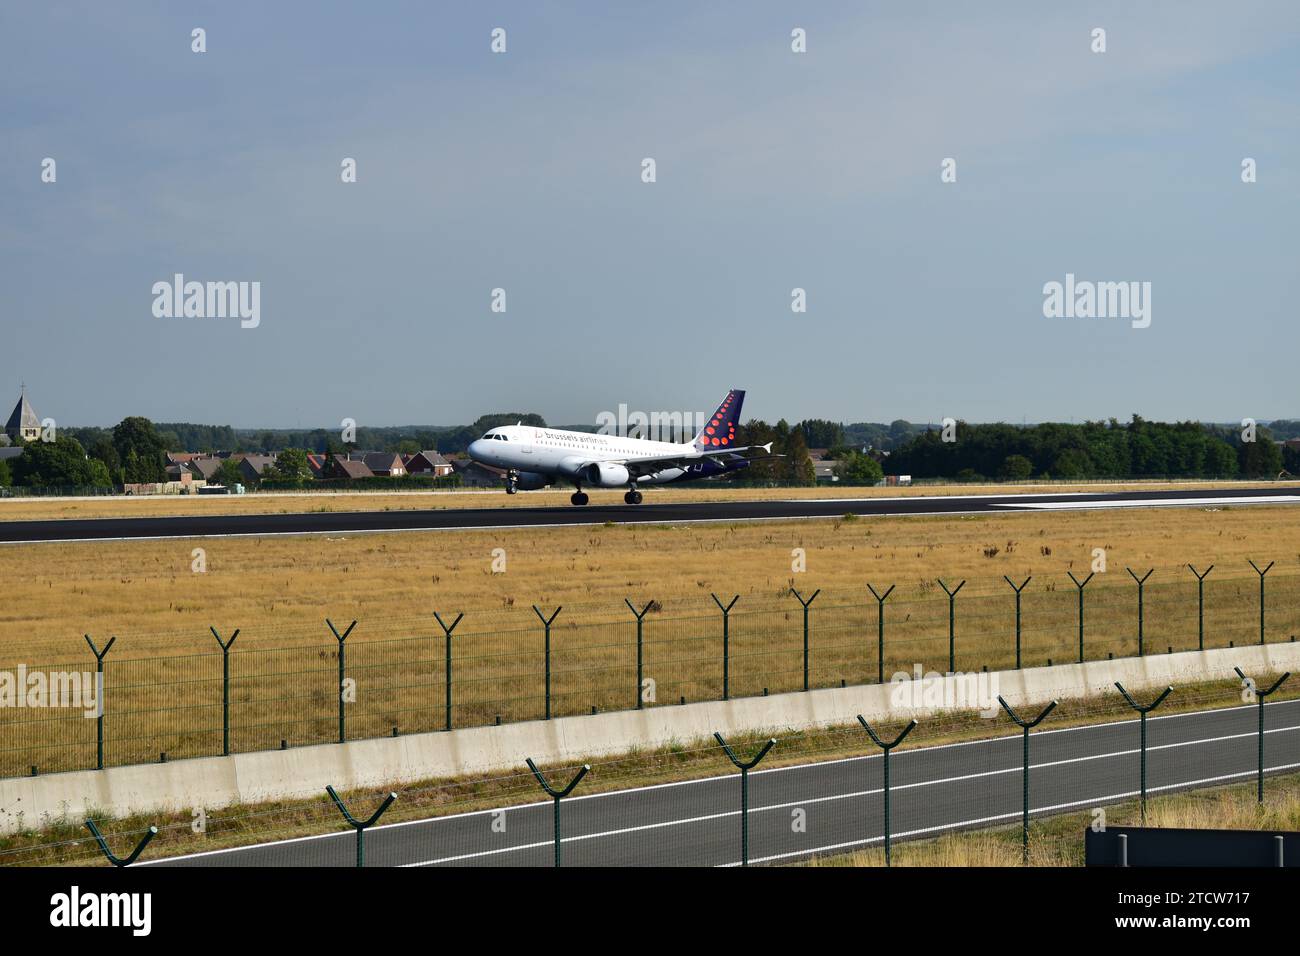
227, 474
141, 450
6, 476
60, 463
104, 451
1016, 468
859, 468
1261, 458
291, 463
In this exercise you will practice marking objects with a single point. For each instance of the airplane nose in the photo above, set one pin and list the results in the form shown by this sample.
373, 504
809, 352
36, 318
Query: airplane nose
476, 449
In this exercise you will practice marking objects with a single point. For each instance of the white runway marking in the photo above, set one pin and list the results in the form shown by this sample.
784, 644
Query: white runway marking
1146, 503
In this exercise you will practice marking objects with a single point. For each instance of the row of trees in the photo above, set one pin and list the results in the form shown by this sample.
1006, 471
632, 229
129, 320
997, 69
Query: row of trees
132, 451
1138, 449
135, 451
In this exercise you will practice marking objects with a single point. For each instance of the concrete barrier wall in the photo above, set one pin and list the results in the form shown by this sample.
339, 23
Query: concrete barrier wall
215, 782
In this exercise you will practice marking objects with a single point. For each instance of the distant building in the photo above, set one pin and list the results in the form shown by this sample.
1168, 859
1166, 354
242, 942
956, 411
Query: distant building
341, 467
428, 463
251, 467
476, 475
23, 425
203, 467
385, 464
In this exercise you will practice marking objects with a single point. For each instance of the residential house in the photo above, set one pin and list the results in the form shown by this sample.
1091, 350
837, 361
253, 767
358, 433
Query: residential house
204, 467
476, 475
341, 467
428, 463
252, 467
384, 464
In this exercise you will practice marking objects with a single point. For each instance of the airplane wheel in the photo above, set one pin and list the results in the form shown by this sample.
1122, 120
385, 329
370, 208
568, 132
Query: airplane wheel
578, 498
511, 489
633, 497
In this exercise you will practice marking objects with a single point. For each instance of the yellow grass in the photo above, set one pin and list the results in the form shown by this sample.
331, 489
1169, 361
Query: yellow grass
31, 509
279, 590
147, 593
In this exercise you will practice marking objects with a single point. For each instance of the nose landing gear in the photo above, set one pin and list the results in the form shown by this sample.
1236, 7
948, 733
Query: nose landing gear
511, 478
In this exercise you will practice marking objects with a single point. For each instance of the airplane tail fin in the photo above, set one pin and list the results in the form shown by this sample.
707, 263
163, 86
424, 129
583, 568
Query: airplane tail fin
720, 430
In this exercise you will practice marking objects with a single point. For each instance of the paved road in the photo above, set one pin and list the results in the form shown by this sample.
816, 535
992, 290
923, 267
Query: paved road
450, 519
840, 802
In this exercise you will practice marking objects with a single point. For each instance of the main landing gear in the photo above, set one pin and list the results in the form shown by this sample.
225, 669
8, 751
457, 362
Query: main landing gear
633, 497
579, 498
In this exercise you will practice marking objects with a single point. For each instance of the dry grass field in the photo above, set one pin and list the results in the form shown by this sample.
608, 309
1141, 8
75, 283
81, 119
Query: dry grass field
164, 672
32, 509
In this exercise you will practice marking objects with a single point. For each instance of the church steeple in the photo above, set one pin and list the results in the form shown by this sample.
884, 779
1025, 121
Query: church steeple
23, 424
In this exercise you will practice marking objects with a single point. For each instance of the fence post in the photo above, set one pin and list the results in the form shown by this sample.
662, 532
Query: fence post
1140, 582
799, 598
1026, 727
103, 697
446, 636
225, 688
1142, 719
1260, 695
952, 618
745, 767
1261, 595
341, 638
357, 824
880, 630
557, 796
726, 643
1018, 590
1200, 605
114, 859
1080, 585
546, 623
887, 747
640, 646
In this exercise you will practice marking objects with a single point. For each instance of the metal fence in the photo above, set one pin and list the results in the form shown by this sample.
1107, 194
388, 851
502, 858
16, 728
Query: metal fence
1041, 774
492, 667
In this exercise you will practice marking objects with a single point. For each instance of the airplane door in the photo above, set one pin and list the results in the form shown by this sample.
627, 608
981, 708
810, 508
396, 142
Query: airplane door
526, 445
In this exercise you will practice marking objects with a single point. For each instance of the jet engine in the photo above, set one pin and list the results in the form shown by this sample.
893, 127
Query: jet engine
604, 474
531, 481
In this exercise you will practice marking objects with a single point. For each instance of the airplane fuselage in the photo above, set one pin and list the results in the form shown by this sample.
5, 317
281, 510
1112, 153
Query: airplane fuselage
563, 455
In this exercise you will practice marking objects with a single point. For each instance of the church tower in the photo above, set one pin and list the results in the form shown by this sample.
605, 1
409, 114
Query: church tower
23, 425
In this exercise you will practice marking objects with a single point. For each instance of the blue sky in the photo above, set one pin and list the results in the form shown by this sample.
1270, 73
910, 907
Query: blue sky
775, 171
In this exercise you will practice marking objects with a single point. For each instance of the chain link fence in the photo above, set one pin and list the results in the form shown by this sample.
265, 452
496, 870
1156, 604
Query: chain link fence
510, 665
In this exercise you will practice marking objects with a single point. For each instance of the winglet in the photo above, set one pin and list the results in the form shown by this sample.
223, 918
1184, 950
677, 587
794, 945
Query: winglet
768, 448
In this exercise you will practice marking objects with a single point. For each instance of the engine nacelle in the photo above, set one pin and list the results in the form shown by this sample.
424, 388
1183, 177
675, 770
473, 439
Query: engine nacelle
604, 474
531, 481
573, 466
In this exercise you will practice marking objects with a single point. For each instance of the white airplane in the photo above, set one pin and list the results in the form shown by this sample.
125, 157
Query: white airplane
537, 457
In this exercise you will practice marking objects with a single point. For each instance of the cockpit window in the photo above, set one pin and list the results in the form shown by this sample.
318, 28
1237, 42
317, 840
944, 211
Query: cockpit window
489, 436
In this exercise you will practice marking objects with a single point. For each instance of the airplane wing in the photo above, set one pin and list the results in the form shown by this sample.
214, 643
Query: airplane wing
639, 467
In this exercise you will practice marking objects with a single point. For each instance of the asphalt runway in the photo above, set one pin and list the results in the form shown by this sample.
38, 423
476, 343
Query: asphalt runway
354, 522
822, 808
